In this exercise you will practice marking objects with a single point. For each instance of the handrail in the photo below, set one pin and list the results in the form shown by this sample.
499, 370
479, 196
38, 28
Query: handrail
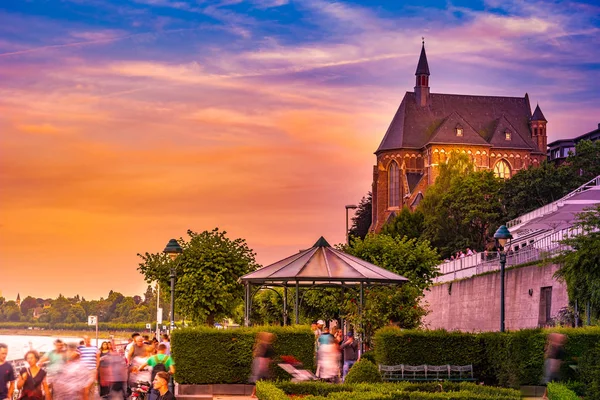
551, 207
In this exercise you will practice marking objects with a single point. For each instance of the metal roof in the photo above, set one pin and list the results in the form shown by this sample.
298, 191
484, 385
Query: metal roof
322, 265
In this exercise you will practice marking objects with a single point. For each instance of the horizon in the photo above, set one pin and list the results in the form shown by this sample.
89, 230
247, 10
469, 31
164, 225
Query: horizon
126, 123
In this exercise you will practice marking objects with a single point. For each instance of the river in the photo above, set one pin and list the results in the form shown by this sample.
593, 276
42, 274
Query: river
18, 345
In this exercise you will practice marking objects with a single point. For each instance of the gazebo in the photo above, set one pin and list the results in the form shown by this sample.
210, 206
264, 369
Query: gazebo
319, 266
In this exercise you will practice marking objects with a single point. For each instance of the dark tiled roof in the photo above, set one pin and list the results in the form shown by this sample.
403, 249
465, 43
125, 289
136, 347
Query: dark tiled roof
414, 126
538, 115
413, 179
422, 66
446, 132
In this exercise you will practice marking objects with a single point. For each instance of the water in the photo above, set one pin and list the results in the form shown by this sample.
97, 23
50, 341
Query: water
18, 345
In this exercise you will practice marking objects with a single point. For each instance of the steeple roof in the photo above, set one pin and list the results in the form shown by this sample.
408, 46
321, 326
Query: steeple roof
538, 115
422, 67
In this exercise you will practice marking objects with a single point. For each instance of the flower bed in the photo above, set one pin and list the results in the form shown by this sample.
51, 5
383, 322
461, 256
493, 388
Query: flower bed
383, 391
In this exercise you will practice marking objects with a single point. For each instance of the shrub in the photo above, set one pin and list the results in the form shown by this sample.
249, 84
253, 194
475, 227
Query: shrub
558, 391
268, 391
590, 372
508, 359
207, 355
364, 371
369, 355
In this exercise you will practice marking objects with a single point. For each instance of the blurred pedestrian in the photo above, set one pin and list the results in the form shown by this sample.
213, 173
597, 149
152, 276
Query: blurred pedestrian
554, 356
74, 379
263, 355
113, 375
350, 352
328, 358
7, 375
32, 379
54, 360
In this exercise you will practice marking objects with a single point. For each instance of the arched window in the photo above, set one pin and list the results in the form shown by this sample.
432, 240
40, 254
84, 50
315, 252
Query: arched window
394, 184
502, 169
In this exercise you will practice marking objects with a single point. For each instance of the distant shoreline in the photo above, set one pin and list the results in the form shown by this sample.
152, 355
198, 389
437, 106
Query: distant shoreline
64, 333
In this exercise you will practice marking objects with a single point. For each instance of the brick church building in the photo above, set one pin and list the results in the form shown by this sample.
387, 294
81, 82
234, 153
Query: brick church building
498, 133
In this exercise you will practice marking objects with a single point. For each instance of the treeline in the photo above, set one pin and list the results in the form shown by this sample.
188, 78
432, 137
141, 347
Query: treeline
78, 326
465, 206
116, 309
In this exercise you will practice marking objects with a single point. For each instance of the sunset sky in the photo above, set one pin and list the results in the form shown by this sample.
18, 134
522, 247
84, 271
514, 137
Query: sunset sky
125, 122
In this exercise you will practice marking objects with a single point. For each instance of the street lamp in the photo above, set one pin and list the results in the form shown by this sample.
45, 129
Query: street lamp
501, 236
349, 207
173, 250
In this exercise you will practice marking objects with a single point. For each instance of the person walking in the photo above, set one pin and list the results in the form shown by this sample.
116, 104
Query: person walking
555, 354
74, 380
7, 375
350, 350
32, 380
263, 355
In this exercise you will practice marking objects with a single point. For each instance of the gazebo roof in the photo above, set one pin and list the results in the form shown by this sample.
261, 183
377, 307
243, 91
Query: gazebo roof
322, 265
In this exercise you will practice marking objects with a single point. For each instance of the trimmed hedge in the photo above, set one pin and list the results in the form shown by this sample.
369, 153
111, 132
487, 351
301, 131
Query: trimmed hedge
364, 371
209, 356
383, 391
508, 359
77, 326
557, 391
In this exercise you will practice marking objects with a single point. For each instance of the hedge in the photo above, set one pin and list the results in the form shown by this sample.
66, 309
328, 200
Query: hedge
509, 359
557, 391
77, 326
210, 356
382, 391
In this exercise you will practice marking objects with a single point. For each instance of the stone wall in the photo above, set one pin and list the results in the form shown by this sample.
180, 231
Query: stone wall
474, 304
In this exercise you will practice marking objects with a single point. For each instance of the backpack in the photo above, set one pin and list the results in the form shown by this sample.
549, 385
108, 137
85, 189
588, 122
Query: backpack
160, 366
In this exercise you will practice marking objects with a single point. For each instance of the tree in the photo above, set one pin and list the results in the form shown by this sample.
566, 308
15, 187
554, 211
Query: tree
407, 223
535, 187
10, 311
411, 258
361, 222
207, 271
580, 265
462, 207
585, 163
27, 304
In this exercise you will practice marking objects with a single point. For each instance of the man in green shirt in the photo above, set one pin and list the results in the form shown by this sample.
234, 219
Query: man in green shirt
159, 362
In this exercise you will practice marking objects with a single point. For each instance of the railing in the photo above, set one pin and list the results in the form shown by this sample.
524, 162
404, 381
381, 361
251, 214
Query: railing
552, 207
480, 263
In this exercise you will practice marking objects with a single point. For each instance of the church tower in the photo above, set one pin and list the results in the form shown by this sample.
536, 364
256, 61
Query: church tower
18, 299
422, 83
538, 129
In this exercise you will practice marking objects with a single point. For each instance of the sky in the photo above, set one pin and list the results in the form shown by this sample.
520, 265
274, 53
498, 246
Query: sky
124, 123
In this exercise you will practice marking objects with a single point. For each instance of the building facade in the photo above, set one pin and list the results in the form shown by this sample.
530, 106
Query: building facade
559, 150
497, 133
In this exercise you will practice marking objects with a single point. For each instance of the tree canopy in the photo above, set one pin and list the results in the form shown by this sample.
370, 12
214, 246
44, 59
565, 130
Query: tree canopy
361, 222
207, 271
580, 265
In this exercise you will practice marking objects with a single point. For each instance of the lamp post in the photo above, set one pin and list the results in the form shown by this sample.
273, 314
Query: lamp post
501, 236
349, 207
173, 250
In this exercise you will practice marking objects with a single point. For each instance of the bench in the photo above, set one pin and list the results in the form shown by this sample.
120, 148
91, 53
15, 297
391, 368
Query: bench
405, 372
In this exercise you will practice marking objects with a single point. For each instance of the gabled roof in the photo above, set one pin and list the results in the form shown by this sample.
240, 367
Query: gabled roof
414, 126
422, 66
446, 132
538, 115
322, 265
413, 179
498, 137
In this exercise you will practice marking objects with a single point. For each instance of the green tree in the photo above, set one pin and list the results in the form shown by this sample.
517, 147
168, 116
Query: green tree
407, 223
207, 286
10, 311
361, 221
76, 314
585, 163
411, 258
28, 303
535, 187
580, 265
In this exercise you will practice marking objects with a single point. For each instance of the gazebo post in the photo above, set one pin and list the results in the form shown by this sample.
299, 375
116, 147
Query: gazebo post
296, 309
247, 304
360, 313
285, 311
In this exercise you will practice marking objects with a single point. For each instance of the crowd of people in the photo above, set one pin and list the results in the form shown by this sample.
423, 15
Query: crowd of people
81, 371
336, 352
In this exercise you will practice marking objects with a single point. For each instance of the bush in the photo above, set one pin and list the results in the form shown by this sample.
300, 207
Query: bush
509, 359
383, 391
558, 391
364, 371
590, 372
207, 355
369, 355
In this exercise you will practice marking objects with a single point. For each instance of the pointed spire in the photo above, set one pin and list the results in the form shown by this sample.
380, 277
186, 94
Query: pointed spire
422, 67
538, 115
321, 243
18, 296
